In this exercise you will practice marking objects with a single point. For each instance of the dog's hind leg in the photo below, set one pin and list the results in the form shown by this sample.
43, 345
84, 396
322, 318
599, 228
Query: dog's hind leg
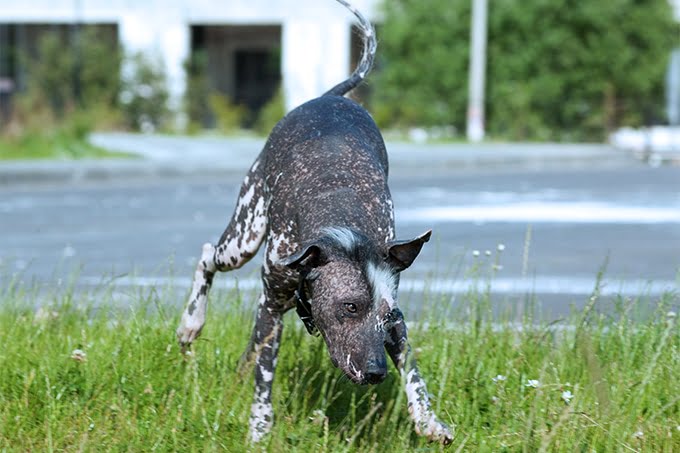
426, 422
265, 346
237, 246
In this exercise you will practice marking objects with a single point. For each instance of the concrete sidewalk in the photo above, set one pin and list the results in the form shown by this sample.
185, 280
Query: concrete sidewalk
164, 156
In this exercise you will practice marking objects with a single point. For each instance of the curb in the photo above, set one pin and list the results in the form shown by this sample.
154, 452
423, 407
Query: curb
50, 172
166, 157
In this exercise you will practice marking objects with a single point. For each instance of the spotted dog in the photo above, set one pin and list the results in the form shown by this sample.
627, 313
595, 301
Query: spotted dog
317, 195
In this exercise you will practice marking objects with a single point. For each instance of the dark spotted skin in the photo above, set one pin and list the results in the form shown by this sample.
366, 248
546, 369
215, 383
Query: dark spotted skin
330, 169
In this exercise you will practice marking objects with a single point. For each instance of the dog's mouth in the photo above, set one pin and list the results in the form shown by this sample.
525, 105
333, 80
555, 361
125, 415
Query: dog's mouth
349, 369
374, 372
356, 378
361, 377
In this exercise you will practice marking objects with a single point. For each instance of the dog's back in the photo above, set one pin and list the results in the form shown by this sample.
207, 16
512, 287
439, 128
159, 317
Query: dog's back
327, 118
328, 167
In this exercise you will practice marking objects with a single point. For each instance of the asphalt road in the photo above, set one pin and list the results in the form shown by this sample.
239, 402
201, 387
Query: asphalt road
542, 233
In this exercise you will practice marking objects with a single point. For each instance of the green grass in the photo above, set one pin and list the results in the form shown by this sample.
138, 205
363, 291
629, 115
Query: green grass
65, 139
52, 145
135, 391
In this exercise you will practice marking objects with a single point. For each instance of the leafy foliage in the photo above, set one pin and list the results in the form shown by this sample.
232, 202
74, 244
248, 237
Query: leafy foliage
556, 69
271, 113
145, 95
197, 91
68, 79
423, 60
228, 115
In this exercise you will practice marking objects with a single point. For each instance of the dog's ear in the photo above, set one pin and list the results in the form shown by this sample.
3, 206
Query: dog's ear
307, 258
401, 254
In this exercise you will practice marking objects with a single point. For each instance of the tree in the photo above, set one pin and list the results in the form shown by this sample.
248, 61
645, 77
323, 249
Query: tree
556, 69
422, 61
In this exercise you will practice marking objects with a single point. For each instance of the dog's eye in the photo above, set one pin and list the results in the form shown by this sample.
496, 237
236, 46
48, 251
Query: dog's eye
350, 307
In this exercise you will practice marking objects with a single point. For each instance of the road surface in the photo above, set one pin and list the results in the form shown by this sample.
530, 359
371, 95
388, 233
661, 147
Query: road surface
529, 233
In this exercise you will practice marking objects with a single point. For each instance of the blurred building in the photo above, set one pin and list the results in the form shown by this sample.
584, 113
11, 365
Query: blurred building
250, 46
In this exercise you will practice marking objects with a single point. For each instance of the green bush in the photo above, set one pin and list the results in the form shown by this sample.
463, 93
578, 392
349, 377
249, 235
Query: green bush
71, 88
422, 56
100, 72
197, 92
145, 95
271, 113
228, 116
87, 76
556, 69
50, 75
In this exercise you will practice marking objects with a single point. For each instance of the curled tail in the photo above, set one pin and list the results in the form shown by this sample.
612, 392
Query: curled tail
369, 46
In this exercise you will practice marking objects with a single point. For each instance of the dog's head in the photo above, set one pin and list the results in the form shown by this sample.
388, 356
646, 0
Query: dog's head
349, 286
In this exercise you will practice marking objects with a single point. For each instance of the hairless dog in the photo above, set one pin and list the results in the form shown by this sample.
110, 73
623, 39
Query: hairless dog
317, 196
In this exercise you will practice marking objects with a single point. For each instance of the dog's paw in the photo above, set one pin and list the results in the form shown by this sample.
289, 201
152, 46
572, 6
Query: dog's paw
189, 329
441, 433
435, 431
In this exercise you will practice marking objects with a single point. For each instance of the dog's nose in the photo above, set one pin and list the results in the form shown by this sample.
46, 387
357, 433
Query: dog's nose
375, 372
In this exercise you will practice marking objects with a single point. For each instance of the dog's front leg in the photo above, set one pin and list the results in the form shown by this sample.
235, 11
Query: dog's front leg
426, 422
237, 246
265, 346
193, 317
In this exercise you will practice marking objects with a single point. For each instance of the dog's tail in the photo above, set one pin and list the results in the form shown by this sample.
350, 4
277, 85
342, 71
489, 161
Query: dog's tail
370, 44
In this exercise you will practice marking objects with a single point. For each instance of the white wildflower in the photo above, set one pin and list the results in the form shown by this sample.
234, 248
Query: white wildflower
501, 247
499, 378
638, 434
495, 399
671, 314
487, 252
79, 355
318, 417
44, 315
475, 253
68, 251
533, 383
567, 396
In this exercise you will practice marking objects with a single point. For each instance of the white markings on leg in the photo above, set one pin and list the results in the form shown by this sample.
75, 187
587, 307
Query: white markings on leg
266, 349
276, 243
247, 227
261, 420
426, 422
193, 317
